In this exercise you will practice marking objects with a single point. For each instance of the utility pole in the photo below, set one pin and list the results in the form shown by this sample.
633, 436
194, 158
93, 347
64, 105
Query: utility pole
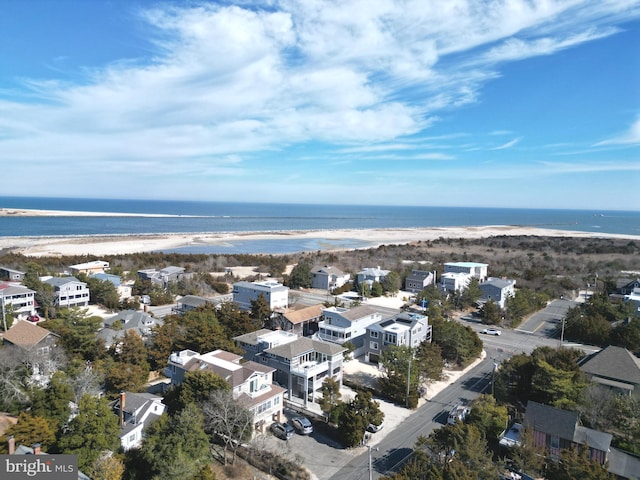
408, 381
370, 464
4, 315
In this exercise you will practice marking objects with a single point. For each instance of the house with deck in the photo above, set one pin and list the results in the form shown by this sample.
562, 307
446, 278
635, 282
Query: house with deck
301, 364
251, 382
70, 292
497, 290
328, 278
405, 328
340, 325
276, 294
17, 299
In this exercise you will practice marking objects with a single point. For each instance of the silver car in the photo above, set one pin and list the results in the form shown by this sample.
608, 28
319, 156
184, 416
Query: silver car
302, 425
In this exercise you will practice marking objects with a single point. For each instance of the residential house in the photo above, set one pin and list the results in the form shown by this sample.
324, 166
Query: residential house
70, 292
136, 411
301, 363
96, 266
634, 297
164, 276
124, 291
451, 282
276, 294
17, 299
39, 346
328, 278
625, 286
557, 429
615, 368
302, 322
251, 383
340, 325
134, 321
477, 270
497, 290
11, 274
418, 280
371, 275
188, 303
405, 328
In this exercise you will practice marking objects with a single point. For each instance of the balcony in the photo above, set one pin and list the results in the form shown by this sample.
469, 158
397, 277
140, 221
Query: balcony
310, 369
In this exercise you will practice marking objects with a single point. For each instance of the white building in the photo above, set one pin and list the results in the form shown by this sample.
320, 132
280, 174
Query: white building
96, 266
341, 325
276, 294
409, 329
18, 299
136, 411
452, 282
70, 292
251, 383
477, 270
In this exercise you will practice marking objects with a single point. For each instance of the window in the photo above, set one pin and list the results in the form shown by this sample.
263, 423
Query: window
132, 437
374, 334
373, 345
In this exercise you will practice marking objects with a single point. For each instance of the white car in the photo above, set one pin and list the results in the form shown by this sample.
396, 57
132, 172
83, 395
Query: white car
492, 331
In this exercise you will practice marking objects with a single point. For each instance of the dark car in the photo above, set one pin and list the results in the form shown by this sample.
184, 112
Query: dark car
302, 425
282, 430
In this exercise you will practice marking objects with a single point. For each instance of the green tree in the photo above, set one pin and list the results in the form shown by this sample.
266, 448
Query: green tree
356, 416
459, 343
490, 313
331, 398
103, 292
391, 282
93, 431
429, 362
300, 276
196, 388
176, 446
52, 403
396, 363
77, 332
488, 417
470, 295
29, 430
260, 310
575, 464
527, 457
376, 289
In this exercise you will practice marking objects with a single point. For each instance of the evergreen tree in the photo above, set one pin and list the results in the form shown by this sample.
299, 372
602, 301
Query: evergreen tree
396, 363
93, 431
52, 403
176, 446
330, 397
300, 276
28, 431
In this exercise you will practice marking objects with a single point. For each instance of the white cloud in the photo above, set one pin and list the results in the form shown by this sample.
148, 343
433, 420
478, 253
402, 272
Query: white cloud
630, 137
509, 144
226, 83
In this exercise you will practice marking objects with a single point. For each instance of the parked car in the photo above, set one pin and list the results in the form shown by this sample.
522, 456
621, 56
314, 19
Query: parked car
33, 318
373, 428
302, 425
491, 331
282, 430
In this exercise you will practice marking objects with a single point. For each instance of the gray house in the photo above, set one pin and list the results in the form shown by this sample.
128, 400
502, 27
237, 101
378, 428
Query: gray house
165, 276
405, 328
340, 325
140, 323
418, 280
70, 292
328, 278
615, 368
497, 290
301, 364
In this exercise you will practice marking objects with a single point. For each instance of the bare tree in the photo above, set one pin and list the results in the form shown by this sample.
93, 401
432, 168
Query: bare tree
226, 419
14, 378
87, 382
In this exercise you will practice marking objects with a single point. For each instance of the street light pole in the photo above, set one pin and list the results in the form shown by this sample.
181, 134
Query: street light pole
408, 382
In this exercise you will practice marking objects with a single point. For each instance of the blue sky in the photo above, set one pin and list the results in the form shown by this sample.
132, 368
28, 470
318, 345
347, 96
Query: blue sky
458, 103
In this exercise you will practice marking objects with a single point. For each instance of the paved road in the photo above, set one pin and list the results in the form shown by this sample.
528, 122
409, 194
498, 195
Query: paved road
547, 322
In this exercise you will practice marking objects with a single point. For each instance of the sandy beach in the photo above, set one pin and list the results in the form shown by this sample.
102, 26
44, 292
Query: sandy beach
125, 244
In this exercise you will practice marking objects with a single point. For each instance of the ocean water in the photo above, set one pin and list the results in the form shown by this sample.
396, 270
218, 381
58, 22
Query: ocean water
200, 217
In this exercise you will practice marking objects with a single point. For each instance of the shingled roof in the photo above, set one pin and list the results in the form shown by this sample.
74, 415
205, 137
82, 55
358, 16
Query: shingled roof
24, 334
614, 363
304, 314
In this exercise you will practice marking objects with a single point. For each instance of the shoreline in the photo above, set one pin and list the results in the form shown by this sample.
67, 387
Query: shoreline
108, 244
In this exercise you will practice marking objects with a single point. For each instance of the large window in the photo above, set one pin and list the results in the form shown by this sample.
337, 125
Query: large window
374, 334
373, 345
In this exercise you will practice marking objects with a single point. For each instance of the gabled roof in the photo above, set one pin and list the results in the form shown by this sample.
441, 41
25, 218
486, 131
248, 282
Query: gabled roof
10, 289
193, 301
25, 334
328, 270
304, 314
550, 420
614, 362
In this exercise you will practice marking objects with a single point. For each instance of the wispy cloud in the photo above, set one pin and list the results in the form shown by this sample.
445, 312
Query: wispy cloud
509, 144
630, 137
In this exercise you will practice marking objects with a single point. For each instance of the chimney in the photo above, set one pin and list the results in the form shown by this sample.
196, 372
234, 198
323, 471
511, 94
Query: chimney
11, 445
122, 401
36, 449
